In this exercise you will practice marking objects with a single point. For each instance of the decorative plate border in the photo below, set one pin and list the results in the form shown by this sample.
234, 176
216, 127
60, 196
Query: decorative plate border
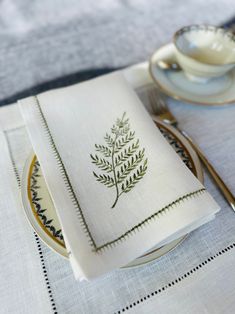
36, 207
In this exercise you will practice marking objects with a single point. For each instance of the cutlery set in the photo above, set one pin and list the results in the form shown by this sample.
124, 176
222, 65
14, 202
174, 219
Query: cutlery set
162, 111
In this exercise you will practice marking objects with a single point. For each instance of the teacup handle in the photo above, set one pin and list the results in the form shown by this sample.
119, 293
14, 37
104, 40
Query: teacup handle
169, 63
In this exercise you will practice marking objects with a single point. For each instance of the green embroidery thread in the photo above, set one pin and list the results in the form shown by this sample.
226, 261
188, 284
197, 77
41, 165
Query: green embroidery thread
122, 160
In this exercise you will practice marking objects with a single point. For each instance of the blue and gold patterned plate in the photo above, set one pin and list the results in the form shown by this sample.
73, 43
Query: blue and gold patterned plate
41, 212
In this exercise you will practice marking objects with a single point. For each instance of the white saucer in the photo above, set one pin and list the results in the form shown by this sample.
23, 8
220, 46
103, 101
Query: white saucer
218, 91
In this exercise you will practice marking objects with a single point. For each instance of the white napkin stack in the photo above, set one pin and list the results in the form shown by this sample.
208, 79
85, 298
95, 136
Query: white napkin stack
118, 187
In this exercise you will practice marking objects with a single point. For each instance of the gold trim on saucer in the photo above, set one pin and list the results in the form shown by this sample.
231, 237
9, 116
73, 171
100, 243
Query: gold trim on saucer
177, 97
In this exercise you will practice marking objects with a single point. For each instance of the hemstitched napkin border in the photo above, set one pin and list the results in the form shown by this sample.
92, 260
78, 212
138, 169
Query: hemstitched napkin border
75, 201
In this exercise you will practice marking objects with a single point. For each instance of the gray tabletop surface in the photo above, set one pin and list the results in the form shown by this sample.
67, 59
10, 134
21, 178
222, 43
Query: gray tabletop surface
41, 41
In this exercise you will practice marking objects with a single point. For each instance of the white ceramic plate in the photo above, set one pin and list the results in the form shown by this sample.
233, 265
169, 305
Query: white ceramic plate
217, 91
41, 212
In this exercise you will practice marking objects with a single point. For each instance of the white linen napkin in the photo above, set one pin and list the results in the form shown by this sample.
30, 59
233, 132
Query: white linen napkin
118, 187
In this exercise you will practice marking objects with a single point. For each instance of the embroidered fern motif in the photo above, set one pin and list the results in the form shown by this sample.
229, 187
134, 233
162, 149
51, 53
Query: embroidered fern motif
122, 160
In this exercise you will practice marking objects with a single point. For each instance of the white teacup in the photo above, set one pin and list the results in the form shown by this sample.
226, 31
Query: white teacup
204, 52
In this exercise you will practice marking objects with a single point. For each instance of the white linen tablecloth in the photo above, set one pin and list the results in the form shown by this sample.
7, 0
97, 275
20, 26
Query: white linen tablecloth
197, 277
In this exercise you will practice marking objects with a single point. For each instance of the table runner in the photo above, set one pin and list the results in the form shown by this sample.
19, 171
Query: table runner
123, 290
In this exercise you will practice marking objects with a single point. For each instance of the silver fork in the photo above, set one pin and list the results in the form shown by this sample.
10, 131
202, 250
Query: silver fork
161, 110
